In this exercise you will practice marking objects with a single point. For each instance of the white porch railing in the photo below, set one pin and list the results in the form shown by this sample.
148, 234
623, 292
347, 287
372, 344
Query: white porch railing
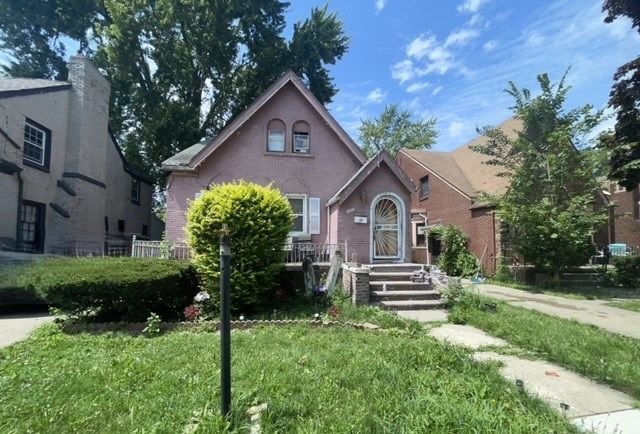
159, 249
296, 252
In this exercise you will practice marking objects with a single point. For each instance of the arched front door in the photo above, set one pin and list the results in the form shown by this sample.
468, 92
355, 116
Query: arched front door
386, 220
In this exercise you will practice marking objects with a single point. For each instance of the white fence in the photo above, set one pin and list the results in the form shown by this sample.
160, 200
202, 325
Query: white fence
294, 252
159, 249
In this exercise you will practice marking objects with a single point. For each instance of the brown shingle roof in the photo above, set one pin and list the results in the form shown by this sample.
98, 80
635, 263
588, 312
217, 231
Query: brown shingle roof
464, 168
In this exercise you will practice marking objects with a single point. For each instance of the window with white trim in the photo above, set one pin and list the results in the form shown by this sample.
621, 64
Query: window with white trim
298, 204
314, 215
275, 135
34, 144
301, 131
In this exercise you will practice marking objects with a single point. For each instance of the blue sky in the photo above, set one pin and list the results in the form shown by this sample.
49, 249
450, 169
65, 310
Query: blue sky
452, 59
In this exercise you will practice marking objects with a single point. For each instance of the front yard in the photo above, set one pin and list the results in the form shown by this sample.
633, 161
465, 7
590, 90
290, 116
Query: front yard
313, 379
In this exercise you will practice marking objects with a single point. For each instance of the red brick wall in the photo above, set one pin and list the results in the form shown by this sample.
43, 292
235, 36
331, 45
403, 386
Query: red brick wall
627, 222
244, 156
447, 205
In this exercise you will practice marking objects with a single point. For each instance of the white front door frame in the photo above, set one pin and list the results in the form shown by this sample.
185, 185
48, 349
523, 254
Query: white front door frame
401, 225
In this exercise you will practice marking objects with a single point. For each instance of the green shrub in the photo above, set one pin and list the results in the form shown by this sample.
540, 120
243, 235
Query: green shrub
627, 271
113, 289
259, 219
504, 273
456, 259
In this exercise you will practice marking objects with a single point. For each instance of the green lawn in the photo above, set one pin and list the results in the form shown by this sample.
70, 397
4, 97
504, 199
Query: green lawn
577, 293
315, 380
633, 305
603, 356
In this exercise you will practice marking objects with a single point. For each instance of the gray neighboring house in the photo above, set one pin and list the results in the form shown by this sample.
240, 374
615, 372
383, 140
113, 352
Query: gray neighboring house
65, 185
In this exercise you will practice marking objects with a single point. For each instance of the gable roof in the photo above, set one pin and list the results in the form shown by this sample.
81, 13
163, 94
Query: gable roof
29, 86
463, 168
180, 161
130, 169
367, 169
196, 158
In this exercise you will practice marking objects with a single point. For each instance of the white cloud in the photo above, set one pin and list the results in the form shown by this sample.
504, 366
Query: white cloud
417, 87
403, 71
471, 5
490, 45
376, 95
461, 37
534, 39
455, 129
475, 19
379, 5
439, 58
437, 90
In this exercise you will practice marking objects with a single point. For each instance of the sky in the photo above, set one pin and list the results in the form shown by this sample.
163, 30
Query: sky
452, 59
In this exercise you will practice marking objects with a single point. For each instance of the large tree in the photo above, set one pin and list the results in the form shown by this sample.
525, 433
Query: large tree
625, 99
179, 69
552, 188
395, 129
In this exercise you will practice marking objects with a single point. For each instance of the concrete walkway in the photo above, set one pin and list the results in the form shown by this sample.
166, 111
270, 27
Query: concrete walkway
14, 328
591, 406
593, 312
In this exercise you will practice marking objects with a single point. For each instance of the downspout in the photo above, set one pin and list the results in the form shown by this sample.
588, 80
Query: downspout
19, 209
495, 252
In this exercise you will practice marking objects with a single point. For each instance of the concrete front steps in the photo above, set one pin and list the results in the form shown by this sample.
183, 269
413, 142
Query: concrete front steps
391, 288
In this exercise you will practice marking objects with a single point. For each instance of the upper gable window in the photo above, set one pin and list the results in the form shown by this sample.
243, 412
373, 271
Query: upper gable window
275, 135
301, 134
424, 187
36, 145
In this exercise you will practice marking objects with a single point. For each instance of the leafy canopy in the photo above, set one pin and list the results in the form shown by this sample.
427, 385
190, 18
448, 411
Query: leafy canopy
179, 69
551, 199
394, 129
624, 144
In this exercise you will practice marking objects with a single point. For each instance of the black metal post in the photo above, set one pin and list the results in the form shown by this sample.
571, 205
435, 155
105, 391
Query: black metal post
225, 326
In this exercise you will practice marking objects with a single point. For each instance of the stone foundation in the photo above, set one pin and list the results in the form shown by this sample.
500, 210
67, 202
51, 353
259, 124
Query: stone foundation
355, 282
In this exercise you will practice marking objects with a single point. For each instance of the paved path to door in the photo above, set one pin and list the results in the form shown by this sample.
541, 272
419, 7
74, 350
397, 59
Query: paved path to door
14, 328
593, 312
591, 406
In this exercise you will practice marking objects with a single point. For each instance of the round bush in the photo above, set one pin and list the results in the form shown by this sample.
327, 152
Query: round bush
259, 219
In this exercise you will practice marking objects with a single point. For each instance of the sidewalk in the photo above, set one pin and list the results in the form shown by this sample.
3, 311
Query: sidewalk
592, 312
14, 328
590, 406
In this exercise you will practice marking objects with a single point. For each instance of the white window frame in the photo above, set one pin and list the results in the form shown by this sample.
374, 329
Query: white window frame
43, 147
305, 214
297, 150
315, 219
284, 145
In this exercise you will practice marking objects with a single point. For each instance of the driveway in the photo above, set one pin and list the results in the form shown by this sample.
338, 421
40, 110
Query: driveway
593, 312
17, 327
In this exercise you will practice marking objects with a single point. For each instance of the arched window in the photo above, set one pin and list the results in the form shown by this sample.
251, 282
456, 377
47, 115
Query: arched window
301, 132
275, 135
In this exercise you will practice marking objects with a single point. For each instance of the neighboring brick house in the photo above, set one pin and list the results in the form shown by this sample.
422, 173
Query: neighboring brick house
625, 225
288, 138
64, 184
448, 191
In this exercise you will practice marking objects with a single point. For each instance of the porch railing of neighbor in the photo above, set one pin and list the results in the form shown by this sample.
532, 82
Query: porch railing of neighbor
294, 252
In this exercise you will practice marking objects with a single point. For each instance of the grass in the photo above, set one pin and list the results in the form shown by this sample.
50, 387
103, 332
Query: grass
576, 293
633, 305
603, 356
314, 380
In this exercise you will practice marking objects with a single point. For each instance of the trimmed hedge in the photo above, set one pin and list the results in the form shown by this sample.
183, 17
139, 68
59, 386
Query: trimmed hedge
115, 289
627, 270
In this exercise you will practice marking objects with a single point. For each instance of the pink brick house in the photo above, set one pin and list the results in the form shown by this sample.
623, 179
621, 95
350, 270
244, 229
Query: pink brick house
288, 138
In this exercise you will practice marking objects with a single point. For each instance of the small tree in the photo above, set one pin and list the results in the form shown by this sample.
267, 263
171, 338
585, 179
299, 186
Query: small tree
259, 219
395, 130
551, 199
456, 259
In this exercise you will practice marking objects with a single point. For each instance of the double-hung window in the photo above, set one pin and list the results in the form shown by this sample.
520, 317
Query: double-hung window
35, 145
424, 187
276, 141
306, 214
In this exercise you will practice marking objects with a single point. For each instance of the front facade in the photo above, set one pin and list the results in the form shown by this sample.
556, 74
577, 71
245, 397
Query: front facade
449, 187
624, 225
64, 183
286, 137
